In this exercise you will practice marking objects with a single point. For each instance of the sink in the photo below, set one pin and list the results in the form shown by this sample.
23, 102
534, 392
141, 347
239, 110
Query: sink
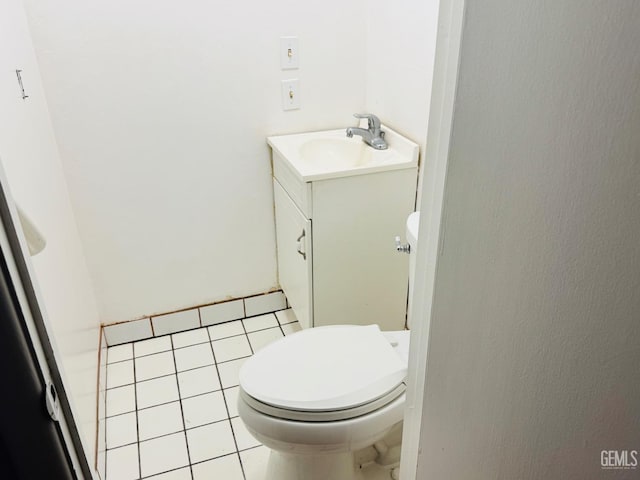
330, 154
335, 153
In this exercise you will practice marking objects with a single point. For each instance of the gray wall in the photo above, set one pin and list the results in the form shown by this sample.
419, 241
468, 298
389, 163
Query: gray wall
534, 349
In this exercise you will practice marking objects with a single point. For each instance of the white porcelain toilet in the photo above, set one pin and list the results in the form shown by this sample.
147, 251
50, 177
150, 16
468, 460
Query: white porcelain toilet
318, 396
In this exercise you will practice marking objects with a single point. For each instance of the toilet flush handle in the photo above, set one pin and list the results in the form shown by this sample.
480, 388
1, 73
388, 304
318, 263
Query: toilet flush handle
400, 248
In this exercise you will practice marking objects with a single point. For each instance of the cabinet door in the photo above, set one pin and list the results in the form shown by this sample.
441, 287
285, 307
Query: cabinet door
293, 237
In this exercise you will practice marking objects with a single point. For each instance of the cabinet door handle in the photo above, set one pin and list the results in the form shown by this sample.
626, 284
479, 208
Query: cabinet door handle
299, 240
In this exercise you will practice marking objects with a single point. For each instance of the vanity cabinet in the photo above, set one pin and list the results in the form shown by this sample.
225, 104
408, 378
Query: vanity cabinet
337, 262
295, 255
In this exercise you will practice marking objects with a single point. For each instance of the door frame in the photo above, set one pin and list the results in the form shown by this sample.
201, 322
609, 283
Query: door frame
18, 275
431, 234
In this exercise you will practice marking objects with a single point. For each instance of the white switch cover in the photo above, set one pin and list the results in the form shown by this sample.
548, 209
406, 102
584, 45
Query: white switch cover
290, 94
289, 58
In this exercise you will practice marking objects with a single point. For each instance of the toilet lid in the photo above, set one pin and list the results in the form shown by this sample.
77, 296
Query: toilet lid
324, 369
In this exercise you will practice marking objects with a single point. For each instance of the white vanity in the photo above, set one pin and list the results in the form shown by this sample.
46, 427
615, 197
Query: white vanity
338, 205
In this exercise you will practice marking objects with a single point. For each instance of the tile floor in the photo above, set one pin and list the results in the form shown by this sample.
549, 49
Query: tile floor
171, 403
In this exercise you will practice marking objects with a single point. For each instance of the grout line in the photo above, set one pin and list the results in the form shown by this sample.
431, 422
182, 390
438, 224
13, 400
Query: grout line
170, 401
135, 400
248, 341
133, 342
230, 336
166, 471
235, 441
157, 474
180, 399
181, 371
184, 424
226, 405
244, 475
120, 361
250, 332
106, 375
123, 445
192, 345
281, 330
195, 463
161, 436
251, 448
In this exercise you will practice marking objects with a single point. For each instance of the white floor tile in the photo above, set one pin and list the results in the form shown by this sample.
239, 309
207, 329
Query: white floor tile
286, 316
263, 338
157, 391
231, 348
225, 330
290, 328
210, 441
203, 409
151, 346
119, 374
229, 372
163, 454
222, 312
227, 468
181, 474
231, 397
121, 400
121, 430
119, 353
161, 420
122, 463
244, 439
194, 356
254, 462
197, 381
192, 337
156, 365
260, 322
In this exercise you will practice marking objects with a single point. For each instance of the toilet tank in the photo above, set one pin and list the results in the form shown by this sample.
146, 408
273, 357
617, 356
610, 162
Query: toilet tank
413, 222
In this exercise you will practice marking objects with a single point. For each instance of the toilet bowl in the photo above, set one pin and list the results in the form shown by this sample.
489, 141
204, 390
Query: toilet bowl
318, 396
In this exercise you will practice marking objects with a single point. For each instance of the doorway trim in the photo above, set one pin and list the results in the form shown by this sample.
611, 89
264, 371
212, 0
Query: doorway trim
20, 272
431, 232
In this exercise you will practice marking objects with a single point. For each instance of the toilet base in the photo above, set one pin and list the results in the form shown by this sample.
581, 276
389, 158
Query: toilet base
285, 466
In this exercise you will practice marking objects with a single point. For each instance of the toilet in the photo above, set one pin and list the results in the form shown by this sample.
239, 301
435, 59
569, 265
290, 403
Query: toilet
317, 397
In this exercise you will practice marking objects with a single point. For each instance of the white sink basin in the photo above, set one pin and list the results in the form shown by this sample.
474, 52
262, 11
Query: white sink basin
335, 153
330, 154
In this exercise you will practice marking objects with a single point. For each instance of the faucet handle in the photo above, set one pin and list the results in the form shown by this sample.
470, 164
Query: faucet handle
374, 122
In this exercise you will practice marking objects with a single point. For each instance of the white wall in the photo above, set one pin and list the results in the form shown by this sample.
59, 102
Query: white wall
30, 158
161, 109
533, 353
401, 42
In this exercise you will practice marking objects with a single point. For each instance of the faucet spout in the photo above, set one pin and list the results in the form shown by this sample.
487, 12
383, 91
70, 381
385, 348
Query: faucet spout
364, 133
373, 136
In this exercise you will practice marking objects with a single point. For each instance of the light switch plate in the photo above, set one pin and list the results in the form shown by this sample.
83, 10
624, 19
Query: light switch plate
289, 57
290, 94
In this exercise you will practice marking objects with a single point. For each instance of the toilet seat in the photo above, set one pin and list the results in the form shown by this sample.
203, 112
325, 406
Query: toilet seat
332, 373
324, 416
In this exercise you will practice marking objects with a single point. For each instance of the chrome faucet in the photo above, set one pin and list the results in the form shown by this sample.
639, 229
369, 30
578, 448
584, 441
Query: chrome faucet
372, 136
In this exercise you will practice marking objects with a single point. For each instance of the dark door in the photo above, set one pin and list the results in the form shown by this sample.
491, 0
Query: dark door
31, 445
